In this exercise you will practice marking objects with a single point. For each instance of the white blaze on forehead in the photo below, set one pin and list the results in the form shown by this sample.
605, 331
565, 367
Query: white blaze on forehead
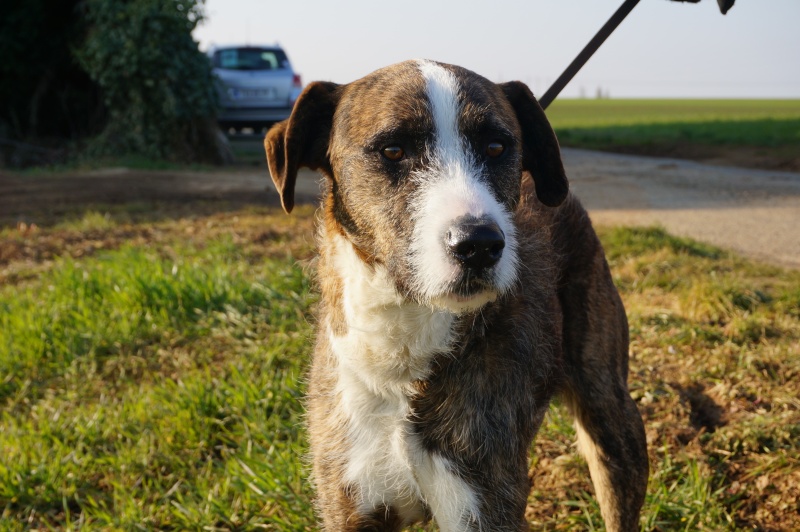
452, 186
442, 91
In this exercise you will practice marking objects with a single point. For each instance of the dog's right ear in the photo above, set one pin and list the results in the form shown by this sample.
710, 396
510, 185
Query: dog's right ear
302, 139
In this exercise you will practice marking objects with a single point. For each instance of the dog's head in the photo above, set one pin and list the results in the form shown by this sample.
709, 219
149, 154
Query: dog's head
424, 163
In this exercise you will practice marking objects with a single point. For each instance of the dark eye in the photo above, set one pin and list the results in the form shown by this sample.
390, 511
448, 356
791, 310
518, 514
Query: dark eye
393, 153
495, 149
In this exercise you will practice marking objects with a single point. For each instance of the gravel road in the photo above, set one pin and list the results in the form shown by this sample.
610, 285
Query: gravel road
753, 212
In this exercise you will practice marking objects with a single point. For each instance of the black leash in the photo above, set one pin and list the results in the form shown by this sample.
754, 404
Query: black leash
599, 38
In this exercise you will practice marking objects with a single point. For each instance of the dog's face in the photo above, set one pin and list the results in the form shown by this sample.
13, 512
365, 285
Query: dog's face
424, 163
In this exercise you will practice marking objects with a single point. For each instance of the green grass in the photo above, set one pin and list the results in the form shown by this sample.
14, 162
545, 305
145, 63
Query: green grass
750, 132
157, 383
573, 113
156, 388
119, 304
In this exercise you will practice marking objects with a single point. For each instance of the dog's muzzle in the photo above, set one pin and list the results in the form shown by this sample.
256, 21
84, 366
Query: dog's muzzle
476, 243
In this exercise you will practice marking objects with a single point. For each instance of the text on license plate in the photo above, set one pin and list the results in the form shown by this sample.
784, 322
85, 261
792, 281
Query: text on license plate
264, 94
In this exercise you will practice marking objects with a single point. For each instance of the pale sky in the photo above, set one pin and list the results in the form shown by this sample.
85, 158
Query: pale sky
663, 48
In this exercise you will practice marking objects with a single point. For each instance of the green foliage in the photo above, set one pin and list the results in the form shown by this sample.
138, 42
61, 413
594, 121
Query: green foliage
156, 84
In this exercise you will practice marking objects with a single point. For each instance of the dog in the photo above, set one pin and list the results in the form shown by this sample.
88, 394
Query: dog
462, 288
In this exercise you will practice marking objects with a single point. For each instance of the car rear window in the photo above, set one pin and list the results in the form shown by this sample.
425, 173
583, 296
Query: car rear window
250, 59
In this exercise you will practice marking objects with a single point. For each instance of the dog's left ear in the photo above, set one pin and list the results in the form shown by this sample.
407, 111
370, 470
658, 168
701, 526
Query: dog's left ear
541, 155
302, 139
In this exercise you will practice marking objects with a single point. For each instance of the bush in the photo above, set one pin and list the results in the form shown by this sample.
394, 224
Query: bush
156, 84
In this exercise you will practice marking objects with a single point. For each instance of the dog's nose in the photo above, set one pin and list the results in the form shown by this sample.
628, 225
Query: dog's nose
477, 244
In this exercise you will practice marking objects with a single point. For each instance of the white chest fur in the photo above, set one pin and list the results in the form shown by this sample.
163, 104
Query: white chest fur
389, 343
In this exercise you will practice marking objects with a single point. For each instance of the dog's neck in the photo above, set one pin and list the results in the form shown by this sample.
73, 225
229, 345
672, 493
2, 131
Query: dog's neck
385, 340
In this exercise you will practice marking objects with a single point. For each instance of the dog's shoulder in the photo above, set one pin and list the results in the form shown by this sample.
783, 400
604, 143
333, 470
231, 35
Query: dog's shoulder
562, 235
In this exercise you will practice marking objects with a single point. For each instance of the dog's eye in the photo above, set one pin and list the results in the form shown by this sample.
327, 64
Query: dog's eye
495, 149
393, 153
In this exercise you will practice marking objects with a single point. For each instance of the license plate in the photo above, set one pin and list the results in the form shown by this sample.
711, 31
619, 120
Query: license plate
261, 94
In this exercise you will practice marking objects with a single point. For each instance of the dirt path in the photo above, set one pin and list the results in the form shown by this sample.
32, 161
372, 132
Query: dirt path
754, 212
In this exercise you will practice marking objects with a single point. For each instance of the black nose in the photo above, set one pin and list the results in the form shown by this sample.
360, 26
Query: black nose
475, 243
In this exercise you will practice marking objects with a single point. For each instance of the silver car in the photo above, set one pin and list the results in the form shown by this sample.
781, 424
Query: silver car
255, 84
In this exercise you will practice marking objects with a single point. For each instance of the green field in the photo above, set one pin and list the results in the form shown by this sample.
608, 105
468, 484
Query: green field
574, 113
154, 379
760, 133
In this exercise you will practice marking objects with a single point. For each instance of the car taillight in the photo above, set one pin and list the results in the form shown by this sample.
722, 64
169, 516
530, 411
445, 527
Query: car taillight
297, 82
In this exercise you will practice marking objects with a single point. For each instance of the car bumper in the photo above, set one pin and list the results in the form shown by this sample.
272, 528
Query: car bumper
253, 115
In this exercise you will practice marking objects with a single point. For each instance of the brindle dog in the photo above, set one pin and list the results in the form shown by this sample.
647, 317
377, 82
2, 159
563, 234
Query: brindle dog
462, 288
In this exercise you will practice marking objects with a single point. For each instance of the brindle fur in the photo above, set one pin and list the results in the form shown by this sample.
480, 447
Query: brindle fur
561, 331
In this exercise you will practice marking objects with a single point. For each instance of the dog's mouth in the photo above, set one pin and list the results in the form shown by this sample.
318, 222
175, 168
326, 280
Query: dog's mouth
470, 284
458, 304
466, 296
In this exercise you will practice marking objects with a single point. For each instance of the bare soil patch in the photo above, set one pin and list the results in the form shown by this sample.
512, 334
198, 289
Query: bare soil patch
50, 198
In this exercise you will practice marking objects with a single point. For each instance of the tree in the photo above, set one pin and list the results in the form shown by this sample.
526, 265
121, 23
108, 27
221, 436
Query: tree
155, 83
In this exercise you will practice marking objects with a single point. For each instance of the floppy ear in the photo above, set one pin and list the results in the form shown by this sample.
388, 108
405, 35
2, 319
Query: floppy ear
541, 155
302, 139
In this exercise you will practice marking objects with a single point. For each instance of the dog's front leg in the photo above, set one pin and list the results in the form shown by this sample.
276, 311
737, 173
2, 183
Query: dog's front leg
348, 500
483, 501
359, 466
453, 502
476, 451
